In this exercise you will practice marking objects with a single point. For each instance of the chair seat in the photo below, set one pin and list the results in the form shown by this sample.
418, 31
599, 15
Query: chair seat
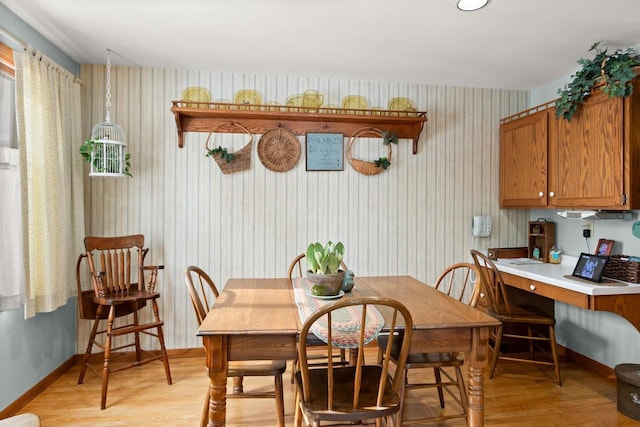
428, 360
522, 314
266, 368
126, 298
344, 378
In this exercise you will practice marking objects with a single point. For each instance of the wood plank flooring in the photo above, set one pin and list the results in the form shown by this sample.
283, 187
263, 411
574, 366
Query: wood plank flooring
522, 396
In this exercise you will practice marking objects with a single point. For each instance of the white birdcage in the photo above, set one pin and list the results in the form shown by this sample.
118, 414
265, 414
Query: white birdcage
108, 156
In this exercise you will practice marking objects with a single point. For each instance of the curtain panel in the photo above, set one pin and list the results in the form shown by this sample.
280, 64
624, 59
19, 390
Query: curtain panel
49, 134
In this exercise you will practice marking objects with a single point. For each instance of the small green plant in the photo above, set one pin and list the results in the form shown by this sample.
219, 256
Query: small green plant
324, 259
615, 70
222, 152
111, 163
382, 162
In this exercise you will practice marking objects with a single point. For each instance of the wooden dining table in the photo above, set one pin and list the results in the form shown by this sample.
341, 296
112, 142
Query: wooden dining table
258, 319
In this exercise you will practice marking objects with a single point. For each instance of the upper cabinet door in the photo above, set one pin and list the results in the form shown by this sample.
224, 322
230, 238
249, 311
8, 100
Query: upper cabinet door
587, 160
523, 161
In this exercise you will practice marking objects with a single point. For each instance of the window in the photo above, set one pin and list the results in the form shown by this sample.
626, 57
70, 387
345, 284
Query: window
8, 136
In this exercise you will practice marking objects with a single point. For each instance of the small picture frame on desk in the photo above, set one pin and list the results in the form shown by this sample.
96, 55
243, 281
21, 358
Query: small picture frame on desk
605, 247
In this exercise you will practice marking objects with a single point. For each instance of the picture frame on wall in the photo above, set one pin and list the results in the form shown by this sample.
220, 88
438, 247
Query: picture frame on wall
605, 247
325, 151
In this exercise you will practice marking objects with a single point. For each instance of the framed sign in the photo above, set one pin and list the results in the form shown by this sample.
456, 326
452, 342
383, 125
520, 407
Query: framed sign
325, 151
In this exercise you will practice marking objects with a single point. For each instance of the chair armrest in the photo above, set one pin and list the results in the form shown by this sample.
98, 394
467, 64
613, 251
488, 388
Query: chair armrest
151, 284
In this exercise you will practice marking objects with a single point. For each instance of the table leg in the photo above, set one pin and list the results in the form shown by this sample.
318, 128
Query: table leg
216, 359
477, 362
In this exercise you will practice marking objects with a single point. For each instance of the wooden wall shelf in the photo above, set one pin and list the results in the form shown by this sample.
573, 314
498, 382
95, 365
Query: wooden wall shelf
205, 117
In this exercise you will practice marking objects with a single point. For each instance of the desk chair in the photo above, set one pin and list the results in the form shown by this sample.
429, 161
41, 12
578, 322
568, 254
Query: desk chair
201, 289
348, 394
459, 281
112, 261
518, 322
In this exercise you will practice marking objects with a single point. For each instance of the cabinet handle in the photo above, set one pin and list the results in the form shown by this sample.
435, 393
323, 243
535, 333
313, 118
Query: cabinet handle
532, 287
551, 194
541, 194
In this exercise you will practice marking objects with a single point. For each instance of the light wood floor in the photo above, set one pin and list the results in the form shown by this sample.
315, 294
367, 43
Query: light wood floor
518, 396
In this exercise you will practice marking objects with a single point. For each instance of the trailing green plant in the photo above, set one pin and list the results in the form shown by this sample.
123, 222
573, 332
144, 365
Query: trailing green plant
112, 163
614, 70
222, 152
324, 259
382, 162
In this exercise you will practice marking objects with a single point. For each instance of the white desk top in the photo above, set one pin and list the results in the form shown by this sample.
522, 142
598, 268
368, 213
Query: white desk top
554, 274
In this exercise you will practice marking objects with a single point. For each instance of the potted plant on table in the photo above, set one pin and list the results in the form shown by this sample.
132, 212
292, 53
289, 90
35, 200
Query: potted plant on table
323, 263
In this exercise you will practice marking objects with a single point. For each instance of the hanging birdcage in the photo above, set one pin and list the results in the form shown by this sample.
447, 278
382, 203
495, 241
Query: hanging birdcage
108, 154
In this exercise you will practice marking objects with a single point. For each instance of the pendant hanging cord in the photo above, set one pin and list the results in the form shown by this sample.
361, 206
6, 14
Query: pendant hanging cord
108, 118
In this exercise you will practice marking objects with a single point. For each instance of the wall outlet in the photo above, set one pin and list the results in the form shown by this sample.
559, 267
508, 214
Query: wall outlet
587, 228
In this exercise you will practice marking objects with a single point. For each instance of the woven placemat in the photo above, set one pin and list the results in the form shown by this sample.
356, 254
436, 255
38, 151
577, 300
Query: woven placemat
279, 150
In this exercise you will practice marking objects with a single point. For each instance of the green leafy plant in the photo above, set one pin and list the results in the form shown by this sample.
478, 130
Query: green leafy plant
112, 163
222, 152
382, 162
614, 70
324, 259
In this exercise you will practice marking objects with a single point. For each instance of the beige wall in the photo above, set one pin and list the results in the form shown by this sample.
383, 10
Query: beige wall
413, 219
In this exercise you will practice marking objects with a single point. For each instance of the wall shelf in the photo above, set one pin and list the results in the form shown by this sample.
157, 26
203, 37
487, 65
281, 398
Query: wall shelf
206, 116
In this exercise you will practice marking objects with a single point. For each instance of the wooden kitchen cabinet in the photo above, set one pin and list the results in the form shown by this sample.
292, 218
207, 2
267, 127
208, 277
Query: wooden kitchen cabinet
523, 161
590, 162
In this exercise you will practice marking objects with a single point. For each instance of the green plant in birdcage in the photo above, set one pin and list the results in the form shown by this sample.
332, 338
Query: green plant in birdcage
106, 158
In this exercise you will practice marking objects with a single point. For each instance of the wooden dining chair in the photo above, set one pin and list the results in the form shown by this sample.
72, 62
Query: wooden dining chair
359, 392
203, 293
121, 286
296, 271
459, 281
521, 323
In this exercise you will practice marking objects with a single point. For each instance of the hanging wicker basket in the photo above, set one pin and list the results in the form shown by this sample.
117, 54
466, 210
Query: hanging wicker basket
241, 159
279, 149
362, 166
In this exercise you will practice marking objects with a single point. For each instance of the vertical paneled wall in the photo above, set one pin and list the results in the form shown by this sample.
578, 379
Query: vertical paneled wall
413, 219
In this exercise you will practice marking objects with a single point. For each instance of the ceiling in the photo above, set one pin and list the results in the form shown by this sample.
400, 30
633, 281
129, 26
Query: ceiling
510, 44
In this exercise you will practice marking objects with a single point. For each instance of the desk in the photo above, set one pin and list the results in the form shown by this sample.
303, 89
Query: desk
257, 319
548, 280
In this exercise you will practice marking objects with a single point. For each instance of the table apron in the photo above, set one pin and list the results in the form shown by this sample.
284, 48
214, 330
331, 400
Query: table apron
261, 347
441, 340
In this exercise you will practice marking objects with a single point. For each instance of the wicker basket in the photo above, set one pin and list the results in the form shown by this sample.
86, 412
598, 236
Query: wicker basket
279, 150
241, 158
619, 267
362, 166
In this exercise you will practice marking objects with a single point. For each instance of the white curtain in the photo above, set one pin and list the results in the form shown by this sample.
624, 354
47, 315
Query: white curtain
49, 134
12, 277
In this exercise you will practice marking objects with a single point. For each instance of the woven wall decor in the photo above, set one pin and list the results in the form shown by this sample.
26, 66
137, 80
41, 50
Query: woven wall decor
279, 150
241, 158
362, 166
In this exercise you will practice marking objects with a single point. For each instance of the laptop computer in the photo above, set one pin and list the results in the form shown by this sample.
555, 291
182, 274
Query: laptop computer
590, 267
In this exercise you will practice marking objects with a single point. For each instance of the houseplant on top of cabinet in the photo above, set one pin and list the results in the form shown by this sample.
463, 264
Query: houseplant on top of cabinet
615, 71
323, 263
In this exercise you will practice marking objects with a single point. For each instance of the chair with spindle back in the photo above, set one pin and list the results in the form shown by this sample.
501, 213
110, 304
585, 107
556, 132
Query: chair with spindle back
201, 289
519, 323
360, 392
462, 282
296, 271
120, 290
